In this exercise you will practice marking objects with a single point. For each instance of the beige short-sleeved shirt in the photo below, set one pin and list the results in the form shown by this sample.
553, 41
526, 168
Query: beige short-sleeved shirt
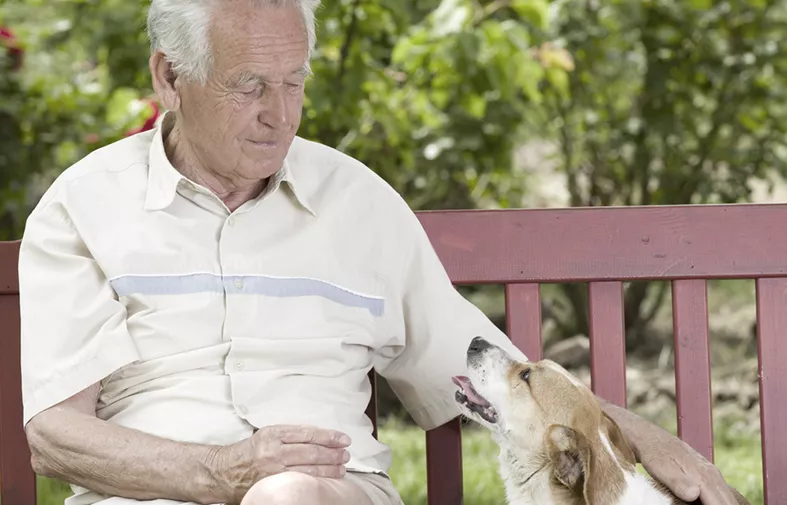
202, 324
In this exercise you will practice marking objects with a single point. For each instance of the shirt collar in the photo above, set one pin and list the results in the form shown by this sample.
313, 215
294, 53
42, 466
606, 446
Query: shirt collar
286, 175
164, 178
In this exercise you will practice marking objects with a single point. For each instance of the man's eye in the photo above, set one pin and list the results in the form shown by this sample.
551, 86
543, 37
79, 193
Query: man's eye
248, 90
294, 86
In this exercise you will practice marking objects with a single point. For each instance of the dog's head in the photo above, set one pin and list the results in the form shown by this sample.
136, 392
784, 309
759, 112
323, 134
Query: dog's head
539, 411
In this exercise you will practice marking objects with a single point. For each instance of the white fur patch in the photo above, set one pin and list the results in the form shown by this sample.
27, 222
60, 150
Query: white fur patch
640, 491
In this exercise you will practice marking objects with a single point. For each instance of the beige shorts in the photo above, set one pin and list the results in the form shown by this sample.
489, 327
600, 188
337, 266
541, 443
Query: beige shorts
378, 487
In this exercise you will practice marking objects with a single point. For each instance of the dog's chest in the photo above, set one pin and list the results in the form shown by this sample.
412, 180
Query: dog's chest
521, 488
537, 492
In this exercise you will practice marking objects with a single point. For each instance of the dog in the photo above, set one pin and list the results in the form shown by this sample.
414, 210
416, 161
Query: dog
557, 446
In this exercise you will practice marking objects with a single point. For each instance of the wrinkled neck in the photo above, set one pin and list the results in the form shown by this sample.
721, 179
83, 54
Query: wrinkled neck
185, 158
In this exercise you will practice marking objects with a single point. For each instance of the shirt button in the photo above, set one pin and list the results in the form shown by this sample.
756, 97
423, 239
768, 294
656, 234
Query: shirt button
243, 409
239, 283
238, 365
231, 221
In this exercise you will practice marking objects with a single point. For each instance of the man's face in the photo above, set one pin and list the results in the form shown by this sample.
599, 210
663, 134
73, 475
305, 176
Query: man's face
241, 123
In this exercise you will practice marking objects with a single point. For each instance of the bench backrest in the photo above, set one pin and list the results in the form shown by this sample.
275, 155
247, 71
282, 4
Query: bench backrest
523, 249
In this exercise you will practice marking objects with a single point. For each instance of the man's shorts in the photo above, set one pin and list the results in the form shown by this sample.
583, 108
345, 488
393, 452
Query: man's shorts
378, 487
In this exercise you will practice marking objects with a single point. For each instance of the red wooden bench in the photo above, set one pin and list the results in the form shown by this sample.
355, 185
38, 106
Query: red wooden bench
525, 248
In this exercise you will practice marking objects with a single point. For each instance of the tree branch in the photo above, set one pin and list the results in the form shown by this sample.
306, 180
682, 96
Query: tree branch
656, 307
344, 52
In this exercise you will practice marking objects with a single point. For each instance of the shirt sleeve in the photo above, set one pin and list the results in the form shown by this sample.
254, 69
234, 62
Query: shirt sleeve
438, 325
73, 328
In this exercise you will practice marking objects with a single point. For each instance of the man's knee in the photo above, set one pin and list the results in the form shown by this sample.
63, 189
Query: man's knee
288, 488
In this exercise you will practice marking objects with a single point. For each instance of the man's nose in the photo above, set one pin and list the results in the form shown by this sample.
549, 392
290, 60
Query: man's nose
274, 107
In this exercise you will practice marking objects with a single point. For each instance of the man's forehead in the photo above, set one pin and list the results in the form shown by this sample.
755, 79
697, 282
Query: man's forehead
284, 22
266, 42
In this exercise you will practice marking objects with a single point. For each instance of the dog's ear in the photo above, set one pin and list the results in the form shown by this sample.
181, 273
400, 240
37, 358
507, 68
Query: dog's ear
568, 453
617, 439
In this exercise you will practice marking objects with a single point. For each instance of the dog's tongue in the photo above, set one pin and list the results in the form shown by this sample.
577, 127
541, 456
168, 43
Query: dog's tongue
468, 390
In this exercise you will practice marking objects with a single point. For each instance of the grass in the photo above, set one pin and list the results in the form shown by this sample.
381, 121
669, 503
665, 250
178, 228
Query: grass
737, 455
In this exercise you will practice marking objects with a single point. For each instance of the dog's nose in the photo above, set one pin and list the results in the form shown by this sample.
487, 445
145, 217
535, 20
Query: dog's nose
478, 345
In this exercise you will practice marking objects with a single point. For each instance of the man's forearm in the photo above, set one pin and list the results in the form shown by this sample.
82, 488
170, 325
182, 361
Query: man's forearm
118, 461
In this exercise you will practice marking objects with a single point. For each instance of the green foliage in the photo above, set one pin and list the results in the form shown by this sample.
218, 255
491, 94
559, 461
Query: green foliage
671, 102
430, 95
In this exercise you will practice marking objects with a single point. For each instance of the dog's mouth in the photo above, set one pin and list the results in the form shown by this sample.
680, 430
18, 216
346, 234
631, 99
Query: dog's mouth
473, 401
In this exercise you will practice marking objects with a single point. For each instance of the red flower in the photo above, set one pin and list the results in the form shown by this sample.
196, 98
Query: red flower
150, 120
13, 51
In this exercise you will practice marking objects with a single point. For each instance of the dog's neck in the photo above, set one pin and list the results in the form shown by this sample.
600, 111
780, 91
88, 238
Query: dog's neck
529, 481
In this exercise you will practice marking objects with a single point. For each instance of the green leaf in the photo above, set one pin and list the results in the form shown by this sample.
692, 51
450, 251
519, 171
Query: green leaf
535, 12
701, 4
119, 107
475, 105
529, 75
450, 17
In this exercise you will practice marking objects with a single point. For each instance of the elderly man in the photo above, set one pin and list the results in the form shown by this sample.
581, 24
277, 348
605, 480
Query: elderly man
201, 303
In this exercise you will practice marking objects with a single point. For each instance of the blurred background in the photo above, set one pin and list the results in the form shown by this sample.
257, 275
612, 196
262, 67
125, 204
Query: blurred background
478, 104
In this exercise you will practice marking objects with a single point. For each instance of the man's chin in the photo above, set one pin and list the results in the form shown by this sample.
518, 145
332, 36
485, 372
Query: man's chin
260, 168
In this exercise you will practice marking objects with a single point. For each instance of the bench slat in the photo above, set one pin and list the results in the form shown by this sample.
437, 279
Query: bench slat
692, 364
9, 261
17, 484
772, 353
523, 318
607, 341
444, 464
609, 243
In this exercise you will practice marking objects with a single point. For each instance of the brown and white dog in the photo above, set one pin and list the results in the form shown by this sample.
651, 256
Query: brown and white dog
557, 447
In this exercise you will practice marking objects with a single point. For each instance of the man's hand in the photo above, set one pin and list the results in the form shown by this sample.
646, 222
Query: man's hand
683, 470
276, 449
671, 461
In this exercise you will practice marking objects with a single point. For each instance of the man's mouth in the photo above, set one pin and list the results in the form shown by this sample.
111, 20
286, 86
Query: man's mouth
264, 144
470, 398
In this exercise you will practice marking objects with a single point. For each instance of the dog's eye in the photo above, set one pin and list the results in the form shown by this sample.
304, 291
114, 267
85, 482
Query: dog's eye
525, 375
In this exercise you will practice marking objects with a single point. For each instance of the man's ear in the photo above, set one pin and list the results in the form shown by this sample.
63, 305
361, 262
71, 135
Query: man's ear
165, 81
568, 453
617, 439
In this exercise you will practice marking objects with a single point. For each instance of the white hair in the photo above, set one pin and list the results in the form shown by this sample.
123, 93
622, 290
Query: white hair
179, 28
